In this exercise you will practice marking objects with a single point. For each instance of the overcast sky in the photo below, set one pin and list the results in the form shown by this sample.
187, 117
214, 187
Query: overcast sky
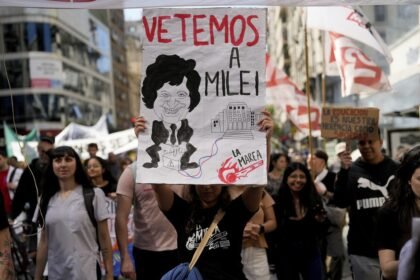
132, 14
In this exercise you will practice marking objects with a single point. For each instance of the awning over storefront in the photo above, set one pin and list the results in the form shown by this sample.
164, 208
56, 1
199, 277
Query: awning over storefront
408, 113
403, 101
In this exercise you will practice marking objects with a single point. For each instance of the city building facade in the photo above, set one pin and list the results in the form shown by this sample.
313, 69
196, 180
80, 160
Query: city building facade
59, 68
120, 70
134, 58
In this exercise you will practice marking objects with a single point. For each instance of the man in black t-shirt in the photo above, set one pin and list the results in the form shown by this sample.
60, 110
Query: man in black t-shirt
362, 186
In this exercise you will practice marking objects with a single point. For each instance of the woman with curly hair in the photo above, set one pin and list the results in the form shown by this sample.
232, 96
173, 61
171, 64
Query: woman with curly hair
69, 239
395, 217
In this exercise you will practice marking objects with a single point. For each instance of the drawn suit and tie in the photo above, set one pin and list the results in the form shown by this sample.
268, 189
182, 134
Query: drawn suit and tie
170, 88
160, 135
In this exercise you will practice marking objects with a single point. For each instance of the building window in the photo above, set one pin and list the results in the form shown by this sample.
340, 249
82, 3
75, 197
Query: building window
12, 34
380, 13
39, 36
17, 72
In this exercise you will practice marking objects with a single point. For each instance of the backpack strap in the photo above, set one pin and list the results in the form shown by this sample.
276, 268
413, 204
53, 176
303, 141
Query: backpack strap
219, 215
133, 167
12, 175
88, 196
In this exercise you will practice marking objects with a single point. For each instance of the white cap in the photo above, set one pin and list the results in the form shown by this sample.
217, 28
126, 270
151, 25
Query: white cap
340, 147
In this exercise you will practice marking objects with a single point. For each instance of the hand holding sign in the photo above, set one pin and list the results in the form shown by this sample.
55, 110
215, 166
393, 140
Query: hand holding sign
139, 125
345, 159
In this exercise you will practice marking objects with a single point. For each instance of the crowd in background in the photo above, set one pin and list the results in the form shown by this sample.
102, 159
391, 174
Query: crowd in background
290, 229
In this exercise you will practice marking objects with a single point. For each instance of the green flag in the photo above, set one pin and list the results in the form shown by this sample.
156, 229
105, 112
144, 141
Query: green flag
11, 138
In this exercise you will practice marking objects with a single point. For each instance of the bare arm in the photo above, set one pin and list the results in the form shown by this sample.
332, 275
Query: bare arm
266, 124
270, 223
389, 265
123, 210
106, 247
139, 125
252, 195
41, 256
164, 196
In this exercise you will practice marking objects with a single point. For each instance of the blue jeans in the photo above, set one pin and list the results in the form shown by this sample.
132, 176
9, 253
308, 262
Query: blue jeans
365, 268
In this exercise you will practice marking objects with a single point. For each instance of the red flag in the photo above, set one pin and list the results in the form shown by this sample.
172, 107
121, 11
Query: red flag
281, 91
350, 22
358, 73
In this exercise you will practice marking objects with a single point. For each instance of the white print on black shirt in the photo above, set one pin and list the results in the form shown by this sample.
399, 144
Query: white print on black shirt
217, 240
372, 202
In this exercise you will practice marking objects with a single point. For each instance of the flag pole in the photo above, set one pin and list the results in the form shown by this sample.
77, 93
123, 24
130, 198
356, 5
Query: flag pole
308, 97
323, 76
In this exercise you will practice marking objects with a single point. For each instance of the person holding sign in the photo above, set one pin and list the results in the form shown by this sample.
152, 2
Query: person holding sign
332, 242
170, 88
362, 186
155, 249
221, 258
395, 217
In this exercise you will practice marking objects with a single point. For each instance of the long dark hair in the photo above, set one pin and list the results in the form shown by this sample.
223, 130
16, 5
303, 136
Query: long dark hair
107, 173
50, 181
275, 157
401, 197
196, 216
308, 196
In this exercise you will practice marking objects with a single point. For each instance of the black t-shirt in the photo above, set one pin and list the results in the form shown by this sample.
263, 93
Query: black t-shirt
364, 188
389, 233
108, 188
301, 235
221, 259
3, 217
329, 181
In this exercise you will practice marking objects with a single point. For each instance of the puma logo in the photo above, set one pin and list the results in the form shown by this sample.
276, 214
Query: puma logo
367, 184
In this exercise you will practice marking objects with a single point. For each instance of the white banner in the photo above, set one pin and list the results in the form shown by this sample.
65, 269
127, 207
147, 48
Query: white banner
118, 142
347, 21
358, 73
203, 92
124, 4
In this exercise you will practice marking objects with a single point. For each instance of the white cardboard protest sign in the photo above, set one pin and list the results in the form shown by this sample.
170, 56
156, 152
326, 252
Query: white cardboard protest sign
203, 90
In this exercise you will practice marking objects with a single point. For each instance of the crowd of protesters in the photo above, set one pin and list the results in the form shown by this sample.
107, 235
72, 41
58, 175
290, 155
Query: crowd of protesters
291, 229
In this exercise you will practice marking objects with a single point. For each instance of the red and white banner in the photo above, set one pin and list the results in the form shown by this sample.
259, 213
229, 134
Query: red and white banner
358, 73
281, 91
125, 4
350, 22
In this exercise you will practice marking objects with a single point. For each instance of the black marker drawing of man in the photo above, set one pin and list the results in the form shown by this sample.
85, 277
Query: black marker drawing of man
171, 89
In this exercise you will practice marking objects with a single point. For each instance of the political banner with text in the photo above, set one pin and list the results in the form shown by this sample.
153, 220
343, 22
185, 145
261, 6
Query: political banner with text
202, 94
350, 123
